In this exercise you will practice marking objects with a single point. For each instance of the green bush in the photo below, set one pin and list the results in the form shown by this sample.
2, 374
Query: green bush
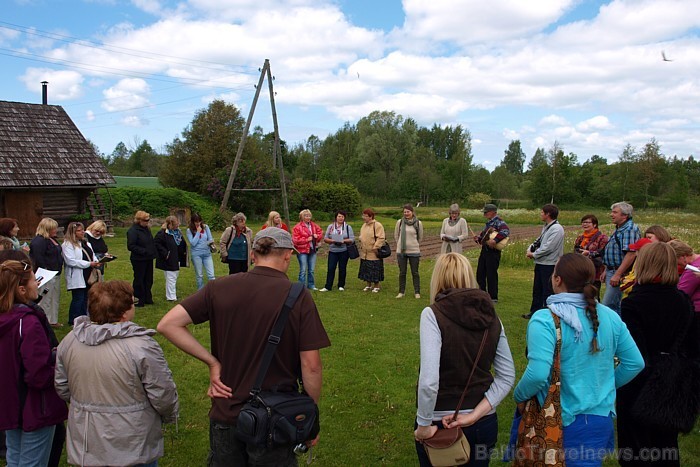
323, 197
159, 201
477, 200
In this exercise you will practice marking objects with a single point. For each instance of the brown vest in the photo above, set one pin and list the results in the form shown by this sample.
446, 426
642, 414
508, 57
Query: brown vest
459, 349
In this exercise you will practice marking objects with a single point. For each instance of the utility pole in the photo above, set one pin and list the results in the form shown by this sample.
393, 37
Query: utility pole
265, 71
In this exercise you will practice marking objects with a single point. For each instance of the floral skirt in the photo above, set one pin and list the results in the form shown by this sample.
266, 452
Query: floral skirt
371, 270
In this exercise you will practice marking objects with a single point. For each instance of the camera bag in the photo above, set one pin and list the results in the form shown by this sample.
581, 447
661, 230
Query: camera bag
275, 418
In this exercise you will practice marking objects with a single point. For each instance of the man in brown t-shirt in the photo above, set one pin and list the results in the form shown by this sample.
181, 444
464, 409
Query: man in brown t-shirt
241, 310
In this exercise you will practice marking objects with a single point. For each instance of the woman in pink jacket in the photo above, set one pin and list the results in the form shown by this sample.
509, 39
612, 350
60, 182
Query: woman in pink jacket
306, 237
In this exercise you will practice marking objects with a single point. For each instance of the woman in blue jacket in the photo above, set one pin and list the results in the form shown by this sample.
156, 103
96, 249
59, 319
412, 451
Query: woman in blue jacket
200, 240
592, 335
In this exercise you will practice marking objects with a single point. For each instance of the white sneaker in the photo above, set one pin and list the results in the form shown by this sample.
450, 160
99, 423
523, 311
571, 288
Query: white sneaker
323, 290
314, 288
399, 295
367, 289
376, 290
417, 295
340, 289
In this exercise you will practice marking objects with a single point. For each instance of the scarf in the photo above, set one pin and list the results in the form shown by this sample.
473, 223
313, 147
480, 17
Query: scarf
338, 229
587, 237
177, 235
239, 230
564, 306
451, 222
15, 243
404, 223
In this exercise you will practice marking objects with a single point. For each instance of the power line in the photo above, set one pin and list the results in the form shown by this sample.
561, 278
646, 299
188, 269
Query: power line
122, 50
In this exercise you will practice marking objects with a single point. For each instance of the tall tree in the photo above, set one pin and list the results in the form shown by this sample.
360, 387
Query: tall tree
514, 158
207, 146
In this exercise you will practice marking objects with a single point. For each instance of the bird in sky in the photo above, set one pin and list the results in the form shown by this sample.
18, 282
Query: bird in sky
663, 55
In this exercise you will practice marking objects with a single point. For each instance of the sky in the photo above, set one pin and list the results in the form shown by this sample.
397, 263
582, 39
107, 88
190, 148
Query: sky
588, 74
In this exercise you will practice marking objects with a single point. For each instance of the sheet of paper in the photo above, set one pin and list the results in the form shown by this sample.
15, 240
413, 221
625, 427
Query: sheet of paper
43, 276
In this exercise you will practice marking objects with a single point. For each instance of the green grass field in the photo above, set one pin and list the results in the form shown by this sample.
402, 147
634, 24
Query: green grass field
138, 182
371, 369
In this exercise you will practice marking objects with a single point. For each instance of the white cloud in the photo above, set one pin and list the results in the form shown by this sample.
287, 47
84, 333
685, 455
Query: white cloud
90, 115
596, 123
133, 121
553, 120
63, 84
127, 94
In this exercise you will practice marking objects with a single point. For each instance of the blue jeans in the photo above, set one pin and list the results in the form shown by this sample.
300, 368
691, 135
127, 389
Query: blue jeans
307, 264
78, 304
29, 448
588, 440
199, 260
225, 449
482, 438
613, 295
340, 260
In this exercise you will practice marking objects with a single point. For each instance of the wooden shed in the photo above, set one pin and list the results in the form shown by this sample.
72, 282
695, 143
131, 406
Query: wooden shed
47, 167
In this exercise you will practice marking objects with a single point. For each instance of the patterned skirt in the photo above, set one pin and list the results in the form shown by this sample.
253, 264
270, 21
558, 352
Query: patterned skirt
371, 270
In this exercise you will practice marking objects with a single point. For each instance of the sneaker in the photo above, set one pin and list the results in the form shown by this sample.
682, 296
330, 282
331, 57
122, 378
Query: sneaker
376, 290
527, 316
367, 289
314, 288
494, 300
341, 289
323, 290
417, 295
400, 295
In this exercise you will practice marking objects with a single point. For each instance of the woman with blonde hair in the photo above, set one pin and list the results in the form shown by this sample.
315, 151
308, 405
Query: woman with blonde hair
46, 253
95, 234
79, 260
307, 236
275, 220
459, 322
139, 241
117, 381
688, 281
31, 409
172, 253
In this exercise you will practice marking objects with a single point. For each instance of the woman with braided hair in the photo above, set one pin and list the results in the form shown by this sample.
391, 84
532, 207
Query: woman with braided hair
591, 335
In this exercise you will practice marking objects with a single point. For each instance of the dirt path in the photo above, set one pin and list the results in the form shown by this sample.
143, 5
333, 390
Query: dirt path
430, 247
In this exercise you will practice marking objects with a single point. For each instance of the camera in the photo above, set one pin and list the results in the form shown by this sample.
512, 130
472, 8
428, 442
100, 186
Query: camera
535, 245
300, 448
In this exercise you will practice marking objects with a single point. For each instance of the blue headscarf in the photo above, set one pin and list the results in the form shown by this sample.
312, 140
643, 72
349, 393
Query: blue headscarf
565, 305
177, 236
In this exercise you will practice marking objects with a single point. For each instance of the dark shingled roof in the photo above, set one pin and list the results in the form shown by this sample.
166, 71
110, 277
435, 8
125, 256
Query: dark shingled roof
40, 146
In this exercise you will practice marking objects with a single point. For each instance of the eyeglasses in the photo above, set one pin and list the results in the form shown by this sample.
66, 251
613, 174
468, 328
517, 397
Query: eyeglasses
586, 222
146, 220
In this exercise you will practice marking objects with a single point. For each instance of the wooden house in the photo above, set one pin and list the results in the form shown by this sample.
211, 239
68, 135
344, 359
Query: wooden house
47, 167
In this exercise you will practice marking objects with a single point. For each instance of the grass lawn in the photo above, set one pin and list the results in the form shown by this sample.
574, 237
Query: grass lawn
371, 369
139, 182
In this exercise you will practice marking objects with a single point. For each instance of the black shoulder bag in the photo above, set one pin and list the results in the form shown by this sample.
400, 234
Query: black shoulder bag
272, 418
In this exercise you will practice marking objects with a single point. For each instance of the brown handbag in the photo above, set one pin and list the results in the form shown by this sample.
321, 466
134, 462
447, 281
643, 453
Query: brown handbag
540, 433
449, 446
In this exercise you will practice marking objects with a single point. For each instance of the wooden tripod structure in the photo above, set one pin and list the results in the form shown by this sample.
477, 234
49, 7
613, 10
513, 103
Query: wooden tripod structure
277, 152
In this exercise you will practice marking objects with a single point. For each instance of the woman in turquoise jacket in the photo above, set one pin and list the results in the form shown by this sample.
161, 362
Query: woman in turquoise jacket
592, 335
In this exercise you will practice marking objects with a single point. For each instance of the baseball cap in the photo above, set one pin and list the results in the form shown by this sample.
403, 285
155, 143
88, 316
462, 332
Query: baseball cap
636, 246
281, 238
489, 208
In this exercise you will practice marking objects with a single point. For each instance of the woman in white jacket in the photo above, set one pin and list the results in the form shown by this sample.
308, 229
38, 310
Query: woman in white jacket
117, 381
78, 258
